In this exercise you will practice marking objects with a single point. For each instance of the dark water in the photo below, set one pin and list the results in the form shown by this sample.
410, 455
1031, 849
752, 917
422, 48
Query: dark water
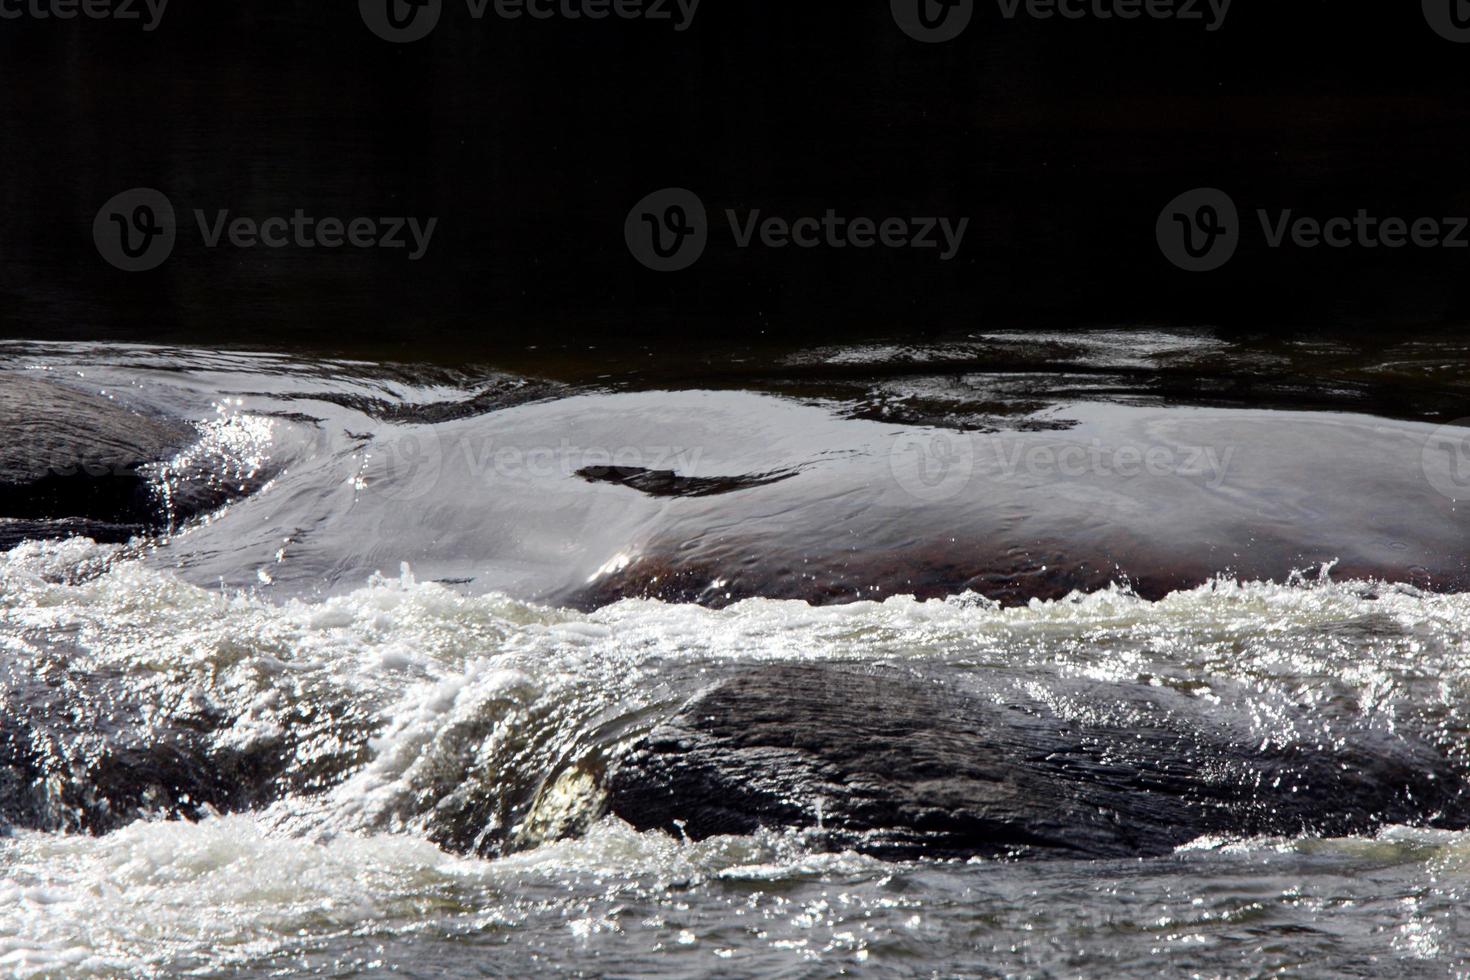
439, 816
529, 142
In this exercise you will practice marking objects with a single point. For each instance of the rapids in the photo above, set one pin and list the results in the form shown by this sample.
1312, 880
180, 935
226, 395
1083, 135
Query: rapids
390, 674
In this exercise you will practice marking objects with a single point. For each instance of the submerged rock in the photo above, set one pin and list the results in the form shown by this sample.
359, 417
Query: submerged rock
713, 497
71, 463
896, 767
1162, 499
83, 750
667, 483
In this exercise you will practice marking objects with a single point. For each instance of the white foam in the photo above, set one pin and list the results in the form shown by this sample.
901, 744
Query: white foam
512, 687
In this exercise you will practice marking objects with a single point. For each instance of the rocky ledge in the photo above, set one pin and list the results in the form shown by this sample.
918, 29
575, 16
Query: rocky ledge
897, 766
72, 463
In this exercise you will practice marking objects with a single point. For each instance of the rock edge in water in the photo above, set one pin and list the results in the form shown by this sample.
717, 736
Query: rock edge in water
71, 463
895, 767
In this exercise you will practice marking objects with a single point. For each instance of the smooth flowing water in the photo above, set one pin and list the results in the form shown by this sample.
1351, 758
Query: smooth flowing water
409, 596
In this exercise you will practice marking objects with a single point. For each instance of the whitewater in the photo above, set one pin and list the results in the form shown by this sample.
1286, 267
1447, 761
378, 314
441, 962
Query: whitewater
441, 696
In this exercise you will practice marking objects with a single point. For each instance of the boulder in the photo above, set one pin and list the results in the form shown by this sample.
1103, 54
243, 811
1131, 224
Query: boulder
898, 767
71, 462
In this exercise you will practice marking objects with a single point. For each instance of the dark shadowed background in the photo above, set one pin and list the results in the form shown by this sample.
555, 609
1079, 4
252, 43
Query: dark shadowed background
529, 141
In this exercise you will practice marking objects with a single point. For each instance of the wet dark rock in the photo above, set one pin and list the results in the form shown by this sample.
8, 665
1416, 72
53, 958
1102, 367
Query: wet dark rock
667, 483
897, 767
1153, 498
737, 569
496, 392
72, 463
92, 751
71, 767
